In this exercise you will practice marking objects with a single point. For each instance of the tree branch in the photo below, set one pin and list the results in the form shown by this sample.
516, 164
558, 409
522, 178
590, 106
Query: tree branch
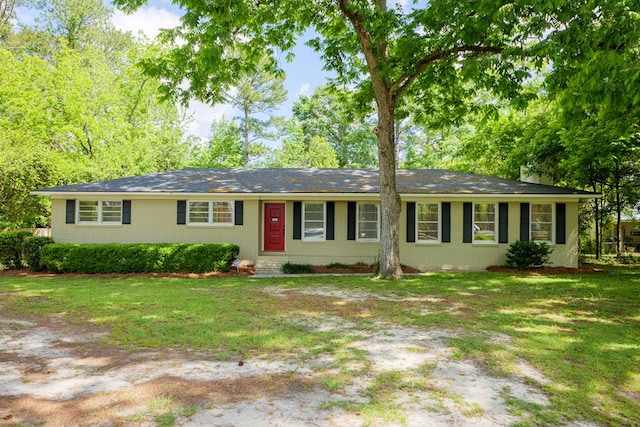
6, 11
88, 148
404, 82
137, 101
366, 42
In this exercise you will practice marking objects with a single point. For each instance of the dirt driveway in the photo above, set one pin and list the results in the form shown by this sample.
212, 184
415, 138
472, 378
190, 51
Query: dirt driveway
58, 374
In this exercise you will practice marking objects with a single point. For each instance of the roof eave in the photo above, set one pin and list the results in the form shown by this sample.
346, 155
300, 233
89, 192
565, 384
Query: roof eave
295, 195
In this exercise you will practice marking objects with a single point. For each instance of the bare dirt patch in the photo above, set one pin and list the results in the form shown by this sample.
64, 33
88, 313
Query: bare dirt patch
57, 374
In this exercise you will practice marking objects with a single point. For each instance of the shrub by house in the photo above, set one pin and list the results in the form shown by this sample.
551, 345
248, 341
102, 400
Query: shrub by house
138, 258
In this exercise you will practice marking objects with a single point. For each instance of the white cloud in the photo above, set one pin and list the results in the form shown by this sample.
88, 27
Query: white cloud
149, 20
202, 115
303, 89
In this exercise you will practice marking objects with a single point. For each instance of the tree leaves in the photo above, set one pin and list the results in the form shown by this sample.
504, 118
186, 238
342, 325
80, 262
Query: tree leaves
76, 115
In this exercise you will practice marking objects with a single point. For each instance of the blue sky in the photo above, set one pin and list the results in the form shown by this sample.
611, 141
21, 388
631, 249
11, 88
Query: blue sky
304, 74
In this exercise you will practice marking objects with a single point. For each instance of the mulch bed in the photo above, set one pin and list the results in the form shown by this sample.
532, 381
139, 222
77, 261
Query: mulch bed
358, 268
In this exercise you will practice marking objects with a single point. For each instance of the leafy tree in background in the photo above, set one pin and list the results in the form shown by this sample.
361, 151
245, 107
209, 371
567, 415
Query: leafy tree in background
7, 12
224, 149
21, 171
500, 145
77, 115
299, 152
600, 101
426, 52
257, 91
597, 92
329, 113
79, 23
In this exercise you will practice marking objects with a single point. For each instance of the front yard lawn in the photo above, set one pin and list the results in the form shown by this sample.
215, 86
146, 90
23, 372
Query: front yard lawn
579, 334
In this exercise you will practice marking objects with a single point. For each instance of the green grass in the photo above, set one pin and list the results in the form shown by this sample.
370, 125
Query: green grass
232, 318
580, 331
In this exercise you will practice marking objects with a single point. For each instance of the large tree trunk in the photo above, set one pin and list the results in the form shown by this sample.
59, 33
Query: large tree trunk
389, 197
375, 54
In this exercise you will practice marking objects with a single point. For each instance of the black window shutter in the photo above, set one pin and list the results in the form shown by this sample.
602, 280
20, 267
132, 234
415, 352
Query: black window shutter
297, 220
238, 212
126, 211
503, 223
561, 223
446, 222
71, 212
351, 221
467, 222
524, 222
182, 211
331, 220
411, 222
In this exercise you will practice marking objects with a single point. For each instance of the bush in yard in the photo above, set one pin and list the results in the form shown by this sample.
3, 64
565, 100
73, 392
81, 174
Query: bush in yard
523, 255
290, 268
138, 258
31, 250
201, 258
11, 248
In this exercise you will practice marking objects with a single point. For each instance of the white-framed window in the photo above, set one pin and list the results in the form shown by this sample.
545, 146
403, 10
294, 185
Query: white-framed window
100, 212
428, 222
314, 221
222, 213
541, 224
484, 222
209, 213
368, 222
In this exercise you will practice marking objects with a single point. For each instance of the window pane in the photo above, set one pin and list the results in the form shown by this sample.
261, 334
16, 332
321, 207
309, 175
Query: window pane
541, 213
314, 221
368, 221
199, 212
428, 212
222, 213
368, 230
428, 231
484, 222
485, 212
541, 232
428, 224
484, 231
368, 211
541, 222
88, 211
111, 211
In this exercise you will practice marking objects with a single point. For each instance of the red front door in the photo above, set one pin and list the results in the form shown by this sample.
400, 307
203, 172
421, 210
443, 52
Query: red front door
274, 227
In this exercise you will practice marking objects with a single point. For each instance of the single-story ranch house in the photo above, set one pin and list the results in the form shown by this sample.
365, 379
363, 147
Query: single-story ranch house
450, 220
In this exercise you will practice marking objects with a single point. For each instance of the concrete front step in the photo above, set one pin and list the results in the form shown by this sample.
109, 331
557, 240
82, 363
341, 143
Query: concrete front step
269, 265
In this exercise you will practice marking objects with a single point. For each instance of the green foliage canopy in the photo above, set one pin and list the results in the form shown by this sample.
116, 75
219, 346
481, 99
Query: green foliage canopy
329, 113
74, 107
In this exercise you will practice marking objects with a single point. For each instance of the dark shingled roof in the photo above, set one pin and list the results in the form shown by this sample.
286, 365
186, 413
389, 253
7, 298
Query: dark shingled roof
282, 181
